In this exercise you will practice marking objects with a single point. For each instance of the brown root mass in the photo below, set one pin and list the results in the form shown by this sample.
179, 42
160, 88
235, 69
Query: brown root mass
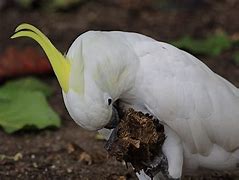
137, 139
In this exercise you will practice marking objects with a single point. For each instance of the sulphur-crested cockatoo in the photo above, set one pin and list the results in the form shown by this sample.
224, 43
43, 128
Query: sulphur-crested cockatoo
198, 108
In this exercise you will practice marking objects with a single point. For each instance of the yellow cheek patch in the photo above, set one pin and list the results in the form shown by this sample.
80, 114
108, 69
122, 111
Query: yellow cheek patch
60, 64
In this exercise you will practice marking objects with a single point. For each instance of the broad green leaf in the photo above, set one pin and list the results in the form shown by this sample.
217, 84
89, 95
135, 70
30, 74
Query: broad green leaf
212, 45
23, 104
26, 84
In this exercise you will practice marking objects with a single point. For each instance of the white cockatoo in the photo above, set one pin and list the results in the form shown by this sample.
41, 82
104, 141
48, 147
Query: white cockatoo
198, 108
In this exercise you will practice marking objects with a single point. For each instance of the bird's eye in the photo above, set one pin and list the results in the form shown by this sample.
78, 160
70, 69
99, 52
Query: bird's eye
109, 101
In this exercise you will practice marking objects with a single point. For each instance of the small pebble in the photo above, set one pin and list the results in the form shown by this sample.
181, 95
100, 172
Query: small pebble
58, 138
69, 170
34, 165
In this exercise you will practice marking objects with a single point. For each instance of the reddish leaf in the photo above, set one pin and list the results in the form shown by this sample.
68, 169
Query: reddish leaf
15, 62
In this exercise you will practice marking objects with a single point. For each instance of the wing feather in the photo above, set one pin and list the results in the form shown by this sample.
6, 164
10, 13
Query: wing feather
199, 105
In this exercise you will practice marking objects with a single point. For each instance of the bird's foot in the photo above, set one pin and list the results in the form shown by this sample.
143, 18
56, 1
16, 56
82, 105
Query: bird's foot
158, 165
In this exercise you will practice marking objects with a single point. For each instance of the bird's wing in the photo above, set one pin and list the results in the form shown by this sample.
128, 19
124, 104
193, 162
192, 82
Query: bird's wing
200, 106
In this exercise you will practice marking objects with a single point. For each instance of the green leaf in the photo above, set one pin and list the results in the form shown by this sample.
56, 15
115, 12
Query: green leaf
23, 104
212, 45
26, 84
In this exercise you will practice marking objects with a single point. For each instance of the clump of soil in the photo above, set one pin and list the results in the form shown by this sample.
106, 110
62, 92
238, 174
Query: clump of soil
138, 140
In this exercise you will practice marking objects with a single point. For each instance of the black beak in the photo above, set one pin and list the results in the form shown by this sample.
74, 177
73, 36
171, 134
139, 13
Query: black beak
114, 121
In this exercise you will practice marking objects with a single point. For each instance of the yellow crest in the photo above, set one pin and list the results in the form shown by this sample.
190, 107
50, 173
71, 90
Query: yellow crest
59, 63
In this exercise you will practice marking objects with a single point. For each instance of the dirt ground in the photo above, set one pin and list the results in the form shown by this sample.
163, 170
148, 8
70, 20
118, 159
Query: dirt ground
71, 152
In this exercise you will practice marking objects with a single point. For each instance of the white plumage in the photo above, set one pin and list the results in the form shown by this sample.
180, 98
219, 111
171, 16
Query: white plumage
200, 108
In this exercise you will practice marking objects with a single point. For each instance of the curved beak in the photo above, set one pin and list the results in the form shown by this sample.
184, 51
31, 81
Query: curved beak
114, 121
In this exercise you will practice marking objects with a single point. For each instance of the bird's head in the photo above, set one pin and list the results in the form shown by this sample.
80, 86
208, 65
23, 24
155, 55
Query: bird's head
88, 100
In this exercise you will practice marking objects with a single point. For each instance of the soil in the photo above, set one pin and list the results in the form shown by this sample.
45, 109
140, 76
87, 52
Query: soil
71, 152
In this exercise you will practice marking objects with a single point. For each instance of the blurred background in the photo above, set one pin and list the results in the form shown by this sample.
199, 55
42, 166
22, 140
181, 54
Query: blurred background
32, 147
